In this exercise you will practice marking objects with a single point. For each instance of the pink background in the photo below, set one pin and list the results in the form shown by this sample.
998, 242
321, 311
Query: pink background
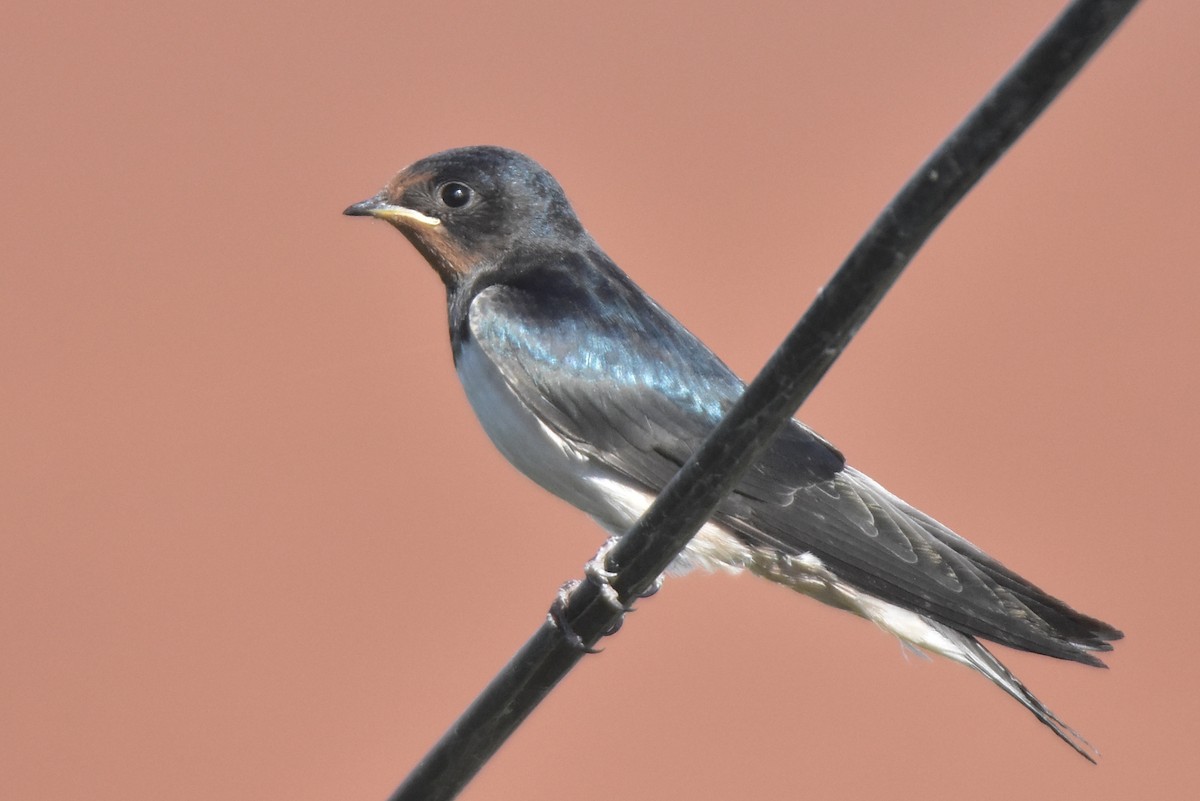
254, 545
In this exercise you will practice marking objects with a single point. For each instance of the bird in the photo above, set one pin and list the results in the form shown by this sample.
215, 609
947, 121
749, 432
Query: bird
596, 393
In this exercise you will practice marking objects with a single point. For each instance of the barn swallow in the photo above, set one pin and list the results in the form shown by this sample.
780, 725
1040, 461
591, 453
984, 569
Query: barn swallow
592, 390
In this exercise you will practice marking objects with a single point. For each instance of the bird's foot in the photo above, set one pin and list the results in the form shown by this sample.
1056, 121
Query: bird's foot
557, 616
595, 571
598, 573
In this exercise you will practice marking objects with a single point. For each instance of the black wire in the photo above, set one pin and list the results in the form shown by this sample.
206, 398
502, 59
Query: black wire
773, 397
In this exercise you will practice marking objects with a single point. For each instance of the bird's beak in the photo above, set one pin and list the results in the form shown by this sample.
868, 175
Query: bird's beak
379, 208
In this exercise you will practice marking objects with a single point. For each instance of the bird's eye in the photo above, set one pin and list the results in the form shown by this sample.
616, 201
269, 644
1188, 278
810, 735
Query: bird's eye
454, 194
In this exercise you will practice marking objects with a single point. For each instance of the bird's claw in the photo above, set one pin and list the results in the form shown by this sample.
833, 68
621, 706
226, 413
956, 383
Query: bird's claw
653, 588
558, 618
598, 573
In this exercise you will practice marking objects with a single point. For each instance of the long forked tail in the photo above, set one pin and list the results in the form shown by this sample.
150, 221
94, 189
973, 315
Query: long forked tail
972, 654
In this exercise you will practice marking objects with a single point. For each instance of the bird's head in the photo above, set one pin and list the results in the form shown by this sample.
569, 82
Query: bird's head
465, 209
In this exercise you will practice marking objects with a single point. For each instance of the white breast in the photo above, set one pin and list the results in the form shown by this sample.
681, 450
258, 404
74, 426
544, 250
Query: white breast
563, 469
529, 444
